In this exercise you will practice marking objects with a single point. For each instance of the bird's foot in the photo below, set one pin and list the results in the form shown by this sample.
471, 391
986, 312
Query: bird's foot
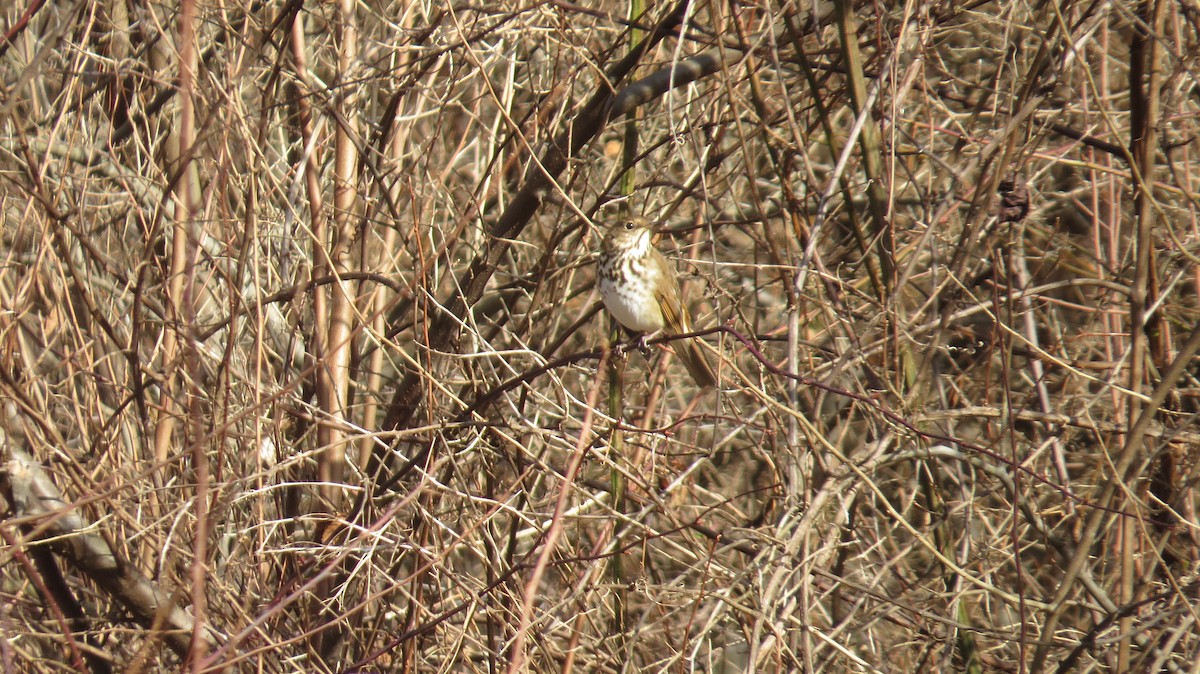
643, 346
635, 344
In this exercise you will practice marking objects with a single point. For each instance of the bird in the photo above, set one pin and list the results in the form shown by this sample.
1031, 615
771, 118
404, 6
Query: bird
640, 290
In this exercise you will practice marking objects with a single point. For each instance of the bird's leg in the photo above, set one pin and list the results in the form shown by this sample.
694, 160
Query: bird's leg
643, 346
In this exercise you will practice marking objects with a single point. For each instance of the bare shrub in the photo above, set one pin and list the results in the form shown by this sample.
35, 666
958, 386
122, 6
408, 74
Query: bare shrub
298, 318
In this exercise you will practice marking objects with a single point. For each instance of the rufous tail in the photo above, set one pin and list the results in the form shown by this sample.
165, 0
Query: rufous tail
693, 358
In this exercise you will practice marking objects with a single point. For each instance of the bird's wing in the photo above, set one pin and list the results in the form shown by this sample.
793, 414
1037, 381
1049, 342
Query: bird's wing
675, 316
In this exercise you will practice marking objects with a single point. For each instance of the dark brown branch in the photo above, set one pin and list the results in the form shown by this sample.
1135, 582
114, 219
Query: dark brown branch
649, 88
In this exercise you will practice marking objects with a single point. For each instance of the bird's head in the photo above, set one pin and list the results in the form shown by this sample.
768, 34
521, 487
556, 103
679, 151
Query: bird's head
632, 235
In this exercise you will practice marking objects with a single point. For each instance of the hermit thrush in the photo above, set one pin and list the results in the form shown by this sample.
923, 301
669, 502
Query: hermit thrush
640, 290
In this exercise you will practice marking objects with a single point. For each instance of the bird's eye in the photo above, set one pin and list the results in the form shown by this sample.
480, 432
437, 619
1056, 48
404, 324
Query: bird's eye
628, 225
